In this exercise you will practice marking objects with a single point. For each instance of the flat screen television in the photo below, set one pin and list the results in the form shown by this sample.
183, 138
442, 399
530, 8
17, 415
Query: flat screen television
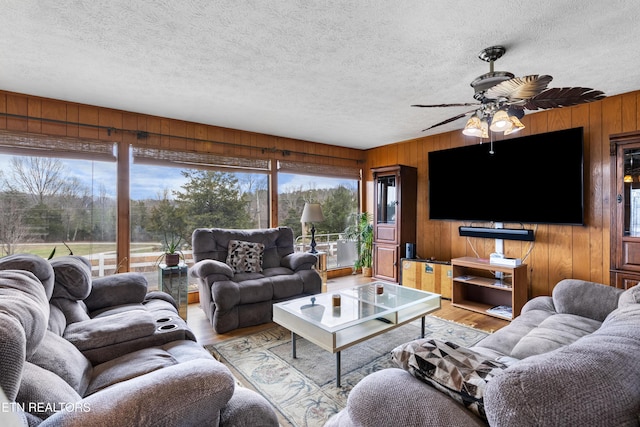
532, 179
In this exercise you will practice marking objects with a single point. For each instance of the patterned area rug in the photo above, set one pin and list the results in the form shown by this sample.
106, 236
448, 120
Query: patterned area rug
304, 389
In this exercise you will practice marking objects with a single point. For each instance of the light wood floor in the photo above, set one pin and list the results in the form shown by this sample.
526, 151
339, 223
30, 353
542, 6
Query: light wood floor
200, 325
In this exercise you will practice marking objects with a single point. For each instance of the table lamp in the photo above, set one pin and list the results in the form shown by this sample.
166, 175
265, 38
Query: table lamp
312, 212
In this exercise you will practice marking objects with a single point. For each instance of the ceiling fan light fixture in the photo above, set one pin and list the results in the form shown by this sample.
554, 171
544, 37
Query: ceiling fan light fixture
516, 125
484, 127
503, 98
473, 127
501, 121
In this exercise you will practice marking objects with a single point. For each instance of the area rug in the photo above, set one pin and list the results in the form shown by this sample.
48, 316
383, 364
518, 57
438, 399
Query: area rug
304, 389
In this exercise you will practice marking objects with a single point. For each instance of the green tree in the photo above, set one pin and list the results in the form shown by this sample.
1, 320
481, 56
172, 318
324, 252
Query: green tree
45, 223
139, 221
340, 204
213, 199
167, 220
292, 220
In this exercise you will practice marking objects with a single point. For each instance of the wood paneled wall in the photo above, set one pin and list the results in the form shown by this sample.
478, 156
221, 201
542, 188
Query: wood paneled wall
559, 251
54, 117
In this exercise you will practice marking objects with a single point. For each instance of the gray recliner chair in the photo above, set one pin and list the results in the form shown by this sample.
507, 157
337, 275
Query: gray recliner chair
241, 273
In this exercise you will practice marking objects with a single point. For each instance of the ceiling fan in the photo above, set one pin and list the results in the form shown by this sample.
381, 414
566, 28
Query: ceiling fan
502, 98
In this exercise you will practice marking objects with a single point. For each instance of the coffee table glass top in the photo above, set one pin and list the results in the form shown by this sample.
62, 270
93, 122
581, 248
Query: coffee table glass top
392, 296
357, 304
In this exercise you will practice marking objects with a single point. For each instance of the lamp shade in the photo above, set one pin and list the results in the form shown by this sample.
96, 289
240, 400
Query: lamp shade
472, 128
484, 128
500, 121
312, 212
517, 125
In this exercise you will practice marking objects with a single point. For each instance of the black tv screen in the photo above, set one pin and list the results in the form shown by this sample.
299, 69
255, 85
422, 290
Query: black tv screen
532, 179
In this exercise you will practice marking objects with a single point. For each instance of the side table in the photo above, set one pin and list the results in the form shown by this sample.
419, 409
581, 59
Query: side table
174, 281
321, 268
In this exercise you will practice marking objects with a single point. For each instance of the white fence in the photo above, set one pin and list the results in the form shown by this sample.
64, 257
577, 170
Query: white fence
340, 253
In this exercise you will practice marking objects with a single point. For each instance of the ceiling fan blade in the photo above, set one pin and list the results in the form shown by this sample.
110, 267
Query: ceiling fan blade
519, 88
446, 105
563, 97
449, 120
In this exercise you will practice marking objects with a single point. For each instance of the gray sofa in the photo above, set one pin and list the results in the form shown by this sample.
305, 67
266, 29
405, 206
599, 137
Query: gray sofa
163, 380
238, 288
568, 360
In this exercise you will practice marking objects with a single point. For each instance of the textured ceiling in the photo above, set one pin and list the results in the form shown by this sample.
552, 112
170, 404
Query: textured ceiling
337, 72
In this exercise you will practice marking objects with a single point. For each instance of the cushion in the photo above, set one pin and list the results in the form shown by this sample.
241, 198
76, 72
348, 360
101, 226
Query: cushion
57, 355
554, 332
456, 371
129, 366
299, 260
23, 298
42, 393
39, 266
72, 277
116, 289
12, 354
207, 267
630, 296
110, 330
57, 320
74, 311
585, 299
245, 257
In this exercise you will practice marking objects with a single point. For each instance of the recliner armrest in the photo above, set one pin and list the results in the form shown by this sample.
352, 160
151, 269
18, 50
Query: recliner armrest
108, 330
542, 302
299, 261
207, 267
587, 299
118, 289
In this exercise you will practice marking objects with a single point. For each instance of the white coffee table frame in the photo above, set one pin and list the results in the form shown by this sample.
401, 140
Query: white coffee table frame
362, 314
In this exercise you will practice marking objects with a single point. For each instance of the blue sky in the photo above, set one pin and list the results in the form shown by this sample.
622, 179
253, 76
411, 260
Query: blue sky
150, 181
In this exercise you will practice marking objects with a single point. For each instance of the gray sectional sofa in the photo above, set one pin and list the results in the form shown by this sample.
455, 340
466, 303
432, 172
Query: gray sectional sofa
570, 359
241, 273
77, 352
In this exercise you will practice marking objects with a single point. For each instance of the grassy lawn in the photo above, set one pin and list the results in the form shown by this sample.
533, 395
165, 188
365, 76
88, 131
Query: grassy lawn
82, 248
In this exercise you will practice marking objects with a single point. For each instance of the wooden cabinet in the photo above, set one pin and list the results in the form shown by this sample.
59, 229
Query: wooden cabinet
427, 275
394, 218
625, 213
624, 280
476, 287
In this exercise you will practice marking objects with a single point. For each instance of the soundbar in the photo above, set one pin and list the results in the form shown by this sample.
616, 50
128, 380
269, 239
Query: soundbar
497, 233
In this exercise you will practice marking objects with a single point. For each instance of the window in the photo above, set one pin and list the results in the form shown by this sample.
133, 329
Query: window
173, 193
337, 193
58, 193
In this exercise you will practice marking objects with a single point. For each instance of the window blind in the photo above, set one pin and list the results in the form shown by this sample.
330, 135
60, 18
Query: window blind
162, 157
36, 144
319, 170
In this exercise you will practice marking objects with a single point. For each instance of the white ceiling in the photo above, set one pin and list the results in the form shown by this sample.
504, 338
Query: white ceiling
338, 72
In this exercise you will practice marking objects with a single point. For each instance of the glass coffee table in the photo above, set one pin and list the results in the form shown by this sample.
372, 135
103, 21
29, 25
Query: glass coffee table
335, 321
